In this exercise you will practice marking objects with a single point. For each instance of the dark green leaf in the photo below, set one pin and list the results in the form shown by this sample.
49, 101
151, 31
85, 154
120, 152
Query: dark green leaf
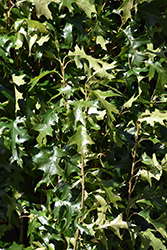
82, 139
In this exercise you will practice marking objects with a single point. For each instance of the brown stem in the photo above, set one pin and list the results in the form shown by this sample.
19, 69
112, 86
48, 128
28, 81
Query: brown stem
83, 182
64, 82
119, 115
102, 9
63, 74
131, 188
86, 97
10, 6
82, 201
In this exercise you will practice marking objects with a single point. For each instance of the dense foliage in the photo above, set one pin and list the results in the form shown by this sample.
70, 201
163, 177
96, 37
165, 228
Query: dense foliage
83, 124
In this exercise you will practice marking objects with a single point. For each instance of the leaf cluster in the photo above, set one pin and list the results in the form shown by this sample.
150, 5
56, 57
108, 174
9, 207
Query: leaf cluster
83, 118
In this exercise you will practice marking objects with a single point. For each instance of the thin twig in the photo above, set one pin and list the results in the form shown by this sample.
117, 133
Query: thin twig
102, 9
119, 115
68, 63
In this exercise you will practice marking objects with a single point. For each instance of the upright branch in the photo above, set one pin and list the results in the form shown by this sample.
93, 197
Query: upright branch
82, 201
131, 188
63, 73
63, 66
10, 6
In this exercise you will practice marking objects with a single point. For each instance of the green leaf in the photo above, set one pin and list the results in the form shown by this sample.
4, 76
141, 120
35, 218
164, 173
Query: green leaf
87, 6
15, 246
18, 80
43, 39
160, 222
35, 80
154, 117
31, 41
105, 104
51, 246
42, 6
68, 90
48, 161
44, 127
153, 15
99, 114
162, 74
3, 55
126, 8
100, 40
35, 25
63, 211
100, 235
155, 171
79, 115
102, 209
78, 111
3, 229
129, 103
164, 163
148, 239
13, 205
30, 30
148, 175
133, 46
82, 139
100, 67
82, 229
20, 39
67, 33
19, 135
112, 197
116, 225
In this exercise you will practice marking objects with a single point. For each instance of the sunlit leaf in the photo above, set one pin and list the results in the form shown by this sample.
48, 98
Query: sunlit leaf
48, 162
116, 225
105, 104
18, 80
101, 210
100, 67
82, 229
100, 40
42, 40
126, 8
67, 32
153, 117
42, 7
82, 139
155, 171
129, 103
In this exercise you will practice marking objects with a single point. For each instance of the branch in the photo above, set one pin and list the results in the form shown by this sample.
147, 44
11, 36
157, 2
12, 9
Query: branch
82, 202
130, 190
